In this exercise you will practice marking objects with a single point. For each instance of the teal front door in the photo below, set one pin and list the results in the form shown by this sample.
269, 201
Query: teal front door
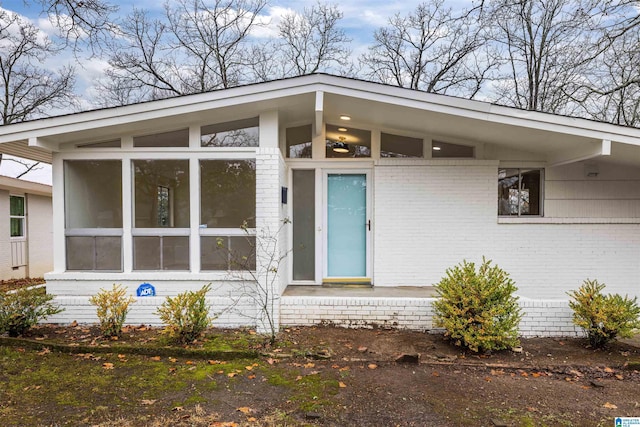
347, 225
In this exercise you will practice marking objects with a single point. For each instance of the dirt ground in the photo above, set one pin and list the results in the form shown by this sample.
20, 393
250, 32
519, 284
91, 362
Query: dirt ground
8, 285
324, 376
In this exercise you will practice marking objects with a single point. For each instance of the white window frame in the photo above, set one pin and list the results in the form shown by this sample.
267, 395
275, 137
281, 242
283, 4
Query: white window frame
22, 217
542, 180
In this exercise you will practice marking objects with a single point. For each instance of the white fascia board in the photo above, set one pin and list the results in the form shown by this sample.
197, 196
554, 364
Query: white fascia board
591, 151
484, 111
319, 83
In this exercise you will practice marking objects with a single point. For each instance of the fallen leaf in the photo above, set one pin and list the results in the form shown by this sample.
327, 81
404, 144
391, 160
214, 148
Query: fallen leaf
178, 408
252, 377
346, 368
608, 370
252, 419
620, 377
173, 360
609, 406
107, 365
245, 410
536, 374
73, 324
524, 374
372, 366
147, 401
232, 374
435, 374
190, 362
213, 362
362, 349
249, 368
271, 361
252, 332
342, 385
44, 351
309, 365
121, 356
224, 424
299, 377
156, 358
172, 370
487, 379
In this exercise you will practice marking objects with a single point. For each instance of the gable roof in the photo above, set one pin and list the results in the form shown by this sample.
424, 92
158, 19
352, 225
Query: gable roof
324, 97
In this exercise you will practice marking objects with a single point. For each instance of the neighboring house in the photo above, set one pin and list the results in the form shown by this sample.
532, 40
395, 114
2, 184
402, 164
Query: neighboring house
384, 186
26, 244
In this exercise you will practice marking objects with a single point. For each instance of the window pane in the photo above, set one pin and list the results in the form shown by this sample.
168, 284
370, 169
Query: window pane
161, 193
178, 138
228, 193
108, 253
175, 253
400, 146
530, 192
80, 252
445, 149
16, 206
508, 191
93, 193
214, 256
146, 253
227, 253
17, 227
299, 142
304, 224
349, 142
239, 133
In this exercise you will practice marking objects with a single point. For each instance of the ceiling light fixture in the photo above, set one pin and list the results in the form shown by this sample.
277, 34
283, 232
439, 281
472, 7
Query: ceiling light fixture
341, 146
343, 129
436, 148
345, 117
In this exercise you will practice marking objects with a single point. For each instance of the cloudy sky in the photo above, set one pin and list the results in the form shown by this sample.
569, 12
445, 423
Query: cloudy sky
361, 18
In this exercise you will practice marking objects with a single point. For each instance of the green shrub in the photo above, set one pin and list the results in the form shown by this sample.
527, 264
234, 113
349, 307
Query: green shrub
186, 315
603, 317
477, 309
112, 308
24, 308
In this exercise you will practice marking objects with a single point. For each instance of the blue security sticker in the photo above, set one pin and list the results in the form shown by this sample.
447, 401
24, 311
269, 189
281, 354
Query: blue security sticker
146, 290
627, 422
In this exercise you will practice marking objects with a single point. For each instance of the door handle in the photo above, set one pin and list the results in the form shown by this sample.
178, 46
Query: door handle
368, 224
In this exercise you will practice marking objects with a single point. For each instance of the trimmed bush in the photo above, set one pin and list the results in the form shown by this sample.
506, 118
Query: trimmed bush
603, 317
186, 315
477, 308
112, 308
22, 309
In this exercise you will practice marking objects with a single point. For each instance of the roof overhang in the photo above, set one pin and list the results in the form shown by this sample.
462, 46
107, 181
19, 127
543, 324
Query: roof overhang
15, 185
322, 98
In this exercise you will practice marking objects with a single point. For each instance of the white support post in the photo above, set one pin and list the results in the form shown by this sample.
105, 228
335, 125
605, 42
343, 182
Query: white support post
59, 244
194, 213
268, 223
127, 215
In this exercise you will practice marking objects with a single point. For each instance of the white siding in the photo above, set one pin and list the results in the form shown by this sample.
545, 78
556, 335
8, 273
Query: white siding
39, 235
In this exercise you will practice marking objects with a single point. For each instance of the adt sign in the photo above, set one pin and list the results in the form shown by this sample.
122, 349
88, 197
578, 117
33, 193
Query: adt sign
146, 290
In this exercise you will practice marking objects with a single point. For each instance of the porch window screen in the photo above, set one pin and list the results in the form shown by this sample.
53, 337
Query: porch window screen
227, 214
161, 215
93, 214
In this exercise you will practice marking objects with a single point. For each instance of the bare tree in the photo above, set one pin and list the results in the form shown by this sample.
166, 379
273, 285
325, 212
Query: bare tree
549, 46
431, 49
28, 88
192, 48
312, 41
84, 20
612, 91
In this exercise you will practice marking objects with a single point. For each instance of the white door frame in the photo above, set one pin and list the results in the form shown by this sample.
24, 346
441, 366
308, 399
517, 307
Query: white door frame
322, 270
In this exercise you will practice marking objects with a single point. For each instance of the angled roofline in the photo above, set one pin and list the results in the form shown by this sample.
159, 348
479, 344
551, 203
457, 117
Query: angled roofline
22, 186
319, 82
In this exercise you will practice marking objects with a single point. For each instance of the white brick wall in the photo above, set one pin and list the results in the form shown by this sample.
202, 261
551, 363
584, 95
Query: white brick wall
540, 317
40, 235
430, 216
